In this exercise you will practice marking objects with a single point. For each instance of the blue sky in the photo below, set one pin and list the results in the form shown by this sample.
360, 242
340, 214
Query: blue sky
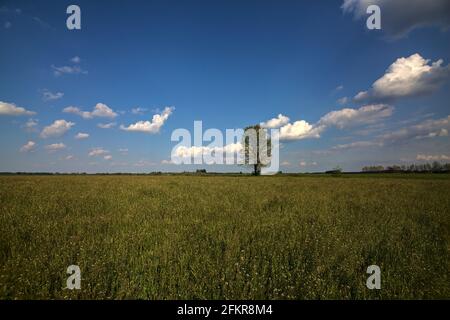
229, 64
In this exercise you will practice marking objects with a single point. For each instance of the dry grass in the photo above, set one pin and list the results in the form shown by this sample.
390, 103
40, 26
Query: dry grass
183, 237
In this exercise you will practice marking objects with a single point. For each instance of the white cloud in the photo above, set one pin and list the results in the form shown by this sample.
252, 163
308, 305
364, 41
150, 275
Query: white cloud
153, 126
98, 152
58, 71
56, 129
275, 122
229, 150
106, 125
438, 133
358, 144
29, 146
81, 135
144, 163
424, 157
77, 111
49, 96
341, 119
299, 130
31, 124
198, 151
307, 164
399, 17
123, 150
407, 77
10, 109
41, 23
76, 59
7, 25
100, 110
138, 111
55, 146
70, 157
427, 129
348, 117
107, 157
338, 88
343, 100
166, 161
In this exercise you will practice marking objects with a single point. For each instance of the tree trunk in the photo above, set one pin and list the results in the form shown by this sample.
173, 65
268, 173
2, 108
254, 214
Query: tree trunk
257, 169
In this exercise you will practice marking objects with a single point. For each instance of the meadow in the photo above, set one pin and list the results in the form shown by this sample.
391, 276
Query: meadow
225, 237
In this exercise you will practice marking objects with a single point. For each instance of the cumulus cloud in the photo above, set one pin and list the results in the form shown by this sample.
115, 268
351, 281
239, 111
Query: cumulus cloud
152, 126
76, 59
138, 111
307, 164
400, 17
100, 110
29, 146
425, 157
49, 96
81, 135
341, 119
31, 124
430, 128
10, 109
55, 146
107, 157
58, 71
56, 129
348, 117
427, 129
98, 151
216, 154
343, 100
299, 130
277, 122
407, 77
198, 151
106, 125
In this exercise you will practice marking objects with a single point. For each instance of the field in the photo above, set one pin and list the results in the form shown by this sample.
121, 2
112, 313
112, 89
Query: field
225, 237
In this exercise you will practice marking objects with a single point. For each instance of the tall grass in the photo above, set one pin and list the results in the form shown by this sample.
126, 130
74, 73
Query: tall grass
187, 237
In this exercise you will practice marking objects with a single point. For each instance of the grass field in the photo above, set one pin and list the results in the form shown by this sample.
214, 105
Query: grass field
220, 237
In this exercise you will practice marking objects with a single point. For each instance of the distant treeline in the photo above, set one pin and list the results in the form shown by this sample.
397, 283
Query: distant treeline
154, 173
435, 167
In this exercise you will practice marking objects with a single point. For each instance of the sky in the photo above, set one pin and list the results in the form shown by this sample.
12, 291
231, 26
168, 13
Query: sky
107, 97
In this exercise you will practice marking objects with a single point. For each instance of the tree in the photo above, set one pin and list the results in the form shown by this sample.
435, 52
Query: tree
372, 168
257, 148
436, 166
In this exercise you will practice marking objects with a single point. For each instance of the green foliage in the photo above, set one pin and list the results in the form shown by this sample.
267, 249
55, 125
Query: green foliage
219, 237
257, 148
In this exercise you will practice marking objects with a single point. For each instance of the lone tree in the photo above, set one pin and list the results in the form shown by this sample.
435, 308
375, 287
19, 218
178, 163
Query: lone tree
257, 148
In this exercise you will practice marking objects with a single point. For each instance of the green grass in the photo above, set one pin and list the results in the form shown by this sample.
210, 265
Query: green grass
219, 237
